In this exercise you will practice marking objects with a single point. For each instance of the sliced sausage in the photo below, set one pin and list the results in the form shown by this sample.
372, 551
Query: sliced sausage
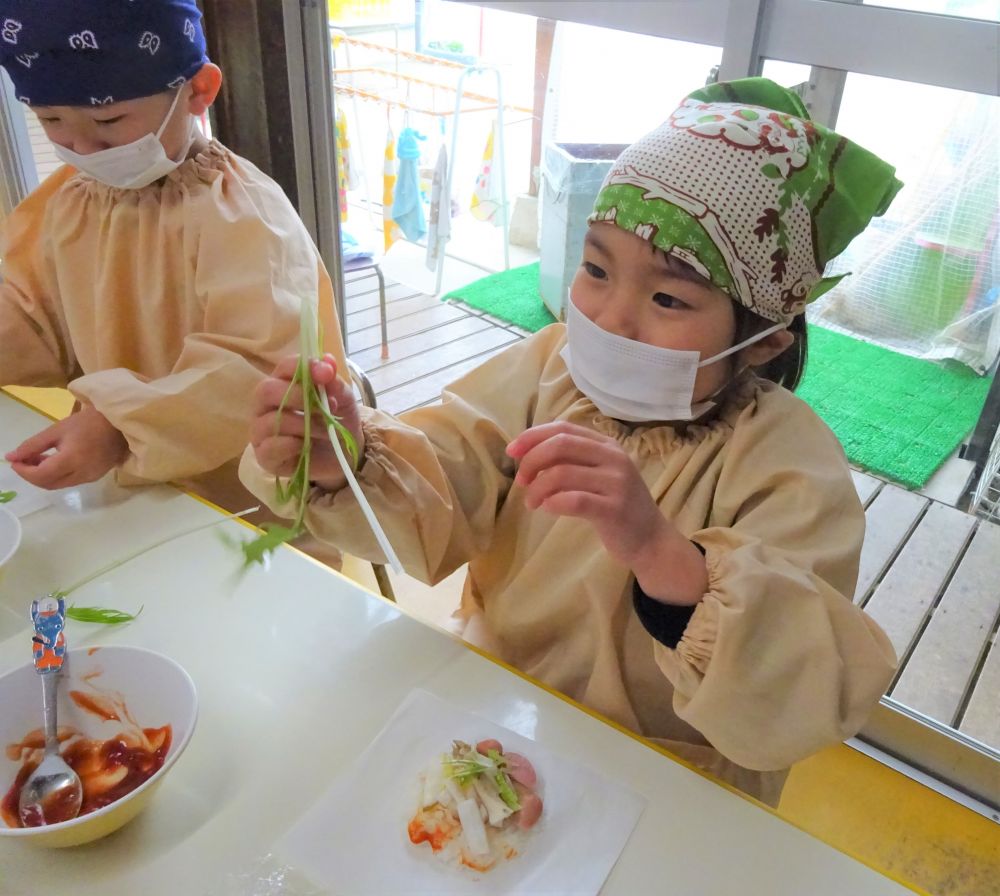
520, 769
531, 809
484, 746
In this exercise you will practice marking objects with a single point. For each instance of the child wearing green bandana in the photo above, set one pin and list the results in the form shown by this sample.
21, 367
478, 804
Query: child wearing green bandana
654, 524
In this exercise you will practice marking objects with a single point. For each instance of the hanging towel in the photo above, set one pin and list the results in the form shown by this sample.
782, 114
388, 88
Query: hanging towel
390, 230
343, 163
407, 209
352, 250
439, 223
486, 196
346, 150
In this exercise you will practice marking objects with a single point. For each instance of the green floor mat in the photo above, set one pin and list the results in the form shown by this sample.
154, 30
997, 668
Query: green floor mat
510, 295
898, 416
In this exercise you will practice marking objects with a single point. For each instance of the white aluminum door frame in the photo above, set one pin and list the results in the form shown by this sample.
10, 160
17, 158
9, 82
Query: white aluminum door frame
18, 176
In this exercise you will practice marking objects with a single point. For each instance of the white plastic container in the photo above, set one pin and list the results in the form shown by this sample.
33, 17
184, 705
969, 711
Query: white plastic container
572, 174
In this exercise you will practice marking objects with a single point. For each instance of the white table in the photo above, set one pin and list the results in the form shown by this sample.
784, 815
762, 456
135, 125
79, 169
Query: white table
297, 669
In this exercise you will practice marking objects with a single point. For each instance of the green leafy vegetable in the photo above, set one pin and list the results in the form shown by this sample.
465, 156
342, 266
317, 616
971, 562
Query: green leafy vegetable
257, 550
471, 764
463, 770
296, 490
108, 616
507, 792
100, 615
5, 497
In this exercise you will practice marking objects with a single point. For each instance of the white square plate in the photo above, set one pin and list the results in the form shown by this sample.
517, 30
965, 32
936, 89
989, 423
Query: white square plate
354, 839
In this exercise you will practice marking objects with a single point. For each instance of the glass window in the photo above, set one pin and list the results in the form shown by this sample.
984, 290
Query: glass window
404, 73
788, 74
926, 275
41, 149
595, 104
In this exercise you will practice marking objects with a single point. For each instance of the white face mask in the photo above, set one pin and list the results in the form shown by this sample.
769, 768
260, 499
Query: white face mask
133, 165
631, 380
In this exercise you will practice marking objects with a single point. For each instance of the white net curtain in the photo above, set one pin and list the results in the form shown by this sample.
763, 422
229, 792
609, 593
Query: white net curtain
926, 276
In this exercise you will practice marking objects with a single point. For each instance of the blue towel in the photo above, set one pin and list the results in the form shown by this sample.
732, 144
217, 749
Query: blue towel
352, 250
407, 208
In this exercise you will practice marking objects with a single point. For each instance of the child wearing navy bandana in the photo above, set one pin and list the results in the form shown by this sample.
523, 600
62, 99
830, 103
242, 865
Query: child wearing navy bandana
157, 275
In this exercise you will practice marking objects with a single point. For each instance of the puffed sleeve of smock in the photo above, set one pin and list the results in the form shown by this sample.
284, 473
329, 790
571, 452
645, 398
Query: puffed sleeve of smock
34, 349
437, 477
777, 662
253, 265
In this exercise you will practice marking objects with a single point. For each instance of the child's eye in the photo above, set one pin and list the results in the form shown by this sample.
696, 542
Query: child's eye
665, 300
48, 120
594, 271
115, 120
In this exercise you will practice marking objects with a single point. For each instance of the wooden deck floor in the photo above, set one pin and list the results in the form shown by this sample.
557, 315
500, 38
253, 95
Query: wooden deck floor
431, 342
928, 577
927, 569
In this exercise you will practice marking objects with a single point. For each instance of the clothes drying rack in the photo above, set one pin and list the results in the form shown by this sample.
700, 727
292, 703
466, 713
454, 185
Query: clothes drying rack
394, 88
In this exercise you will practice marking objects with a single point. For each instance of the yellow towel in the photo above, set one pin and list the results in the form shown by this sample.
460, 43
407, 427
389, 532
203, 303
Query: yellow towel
390, 230
486, 197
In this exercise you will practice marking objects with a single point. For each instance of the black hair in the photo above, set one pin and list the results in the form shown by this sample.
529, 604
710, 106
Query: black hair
787, 368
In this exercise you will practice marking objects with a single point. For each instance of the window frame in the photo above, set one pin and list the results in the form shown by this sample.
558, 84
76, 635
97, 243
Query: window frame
927, 48
18, 176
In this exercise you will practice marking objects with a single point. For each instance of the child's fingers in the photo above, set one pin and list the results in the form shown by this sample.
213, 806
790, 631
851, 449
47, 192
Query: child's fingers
530, 438
30, 451
278, 454
561, 448
324, 370
42, 478
581, 504
54, 471
344, 404
341, 396
272, 394
286, 367
564, 478
272, 424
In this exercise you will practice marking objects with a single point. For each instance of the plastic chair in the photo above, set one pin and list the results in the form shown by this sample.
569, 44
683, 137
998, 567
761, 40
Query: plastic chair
369, 267
364, 386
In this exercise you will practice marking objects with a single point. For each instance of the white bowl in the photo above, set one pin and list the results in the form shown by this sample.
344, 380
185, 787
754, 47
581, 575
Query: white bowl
154, 688
10, 534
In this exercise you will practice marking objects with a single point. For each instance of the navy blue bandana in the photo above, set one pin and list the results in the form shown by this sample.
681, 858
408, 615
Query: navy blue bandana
94, 52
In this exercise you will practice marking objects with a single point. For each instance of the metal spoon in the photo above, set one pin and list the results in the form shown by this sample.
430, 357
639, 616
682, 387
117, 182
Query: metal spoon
53, 791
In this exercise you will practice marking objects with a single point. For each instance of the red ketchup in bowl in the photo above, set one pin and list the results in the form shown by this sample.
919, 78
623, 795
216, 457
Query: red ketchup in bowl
108, 769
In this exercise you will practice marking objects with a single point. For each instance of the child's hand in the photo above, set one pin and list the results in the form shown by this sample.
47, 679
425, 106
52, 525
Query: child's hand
572, 471
277, 444
79, 449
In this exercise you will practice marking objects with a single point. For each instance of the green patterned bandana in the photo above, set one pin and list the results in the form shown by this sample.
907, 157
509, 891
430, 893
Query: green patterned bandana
740, 185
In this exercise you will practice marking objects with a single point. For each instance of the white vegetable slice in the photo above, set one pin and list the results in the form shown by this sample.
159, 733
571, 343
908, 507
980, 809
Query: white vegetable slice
454, 790
432, 786
496, 808
473, 828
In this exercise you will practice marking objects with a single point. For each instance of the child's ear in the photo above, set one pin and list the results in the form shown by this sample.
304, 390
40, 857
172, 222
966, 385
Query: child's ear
205, 87
767, 349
